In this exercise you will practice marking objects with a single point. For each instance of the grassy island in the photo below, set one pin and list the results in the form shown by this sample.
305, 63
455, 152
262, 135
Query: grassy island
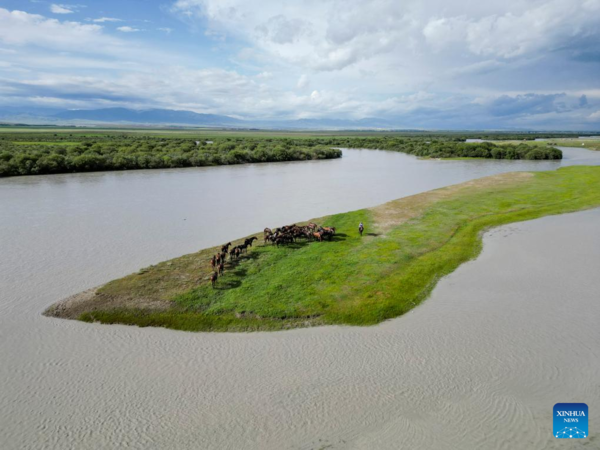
408, 245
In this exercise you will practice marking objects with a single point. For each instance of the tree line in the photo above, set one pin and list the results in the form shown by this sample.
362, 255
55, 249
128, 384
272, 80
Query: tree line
36, 154
36, 158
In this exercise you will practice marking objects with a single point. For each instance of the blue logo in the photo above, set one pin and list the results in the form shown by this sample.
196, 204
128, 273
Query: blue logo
570, 420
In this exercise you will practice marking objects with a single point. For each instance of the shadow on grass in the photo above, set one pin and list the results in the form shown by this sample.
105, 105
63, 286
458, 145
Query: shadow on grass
232, 266
226, 285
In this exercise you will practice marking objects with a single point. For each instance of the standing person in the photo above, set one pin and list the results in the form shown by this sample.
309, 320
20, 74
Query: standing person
361, 228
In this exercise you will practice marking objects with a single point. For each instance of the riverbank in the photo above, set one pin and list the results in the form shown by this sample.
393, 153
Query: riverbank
410, 244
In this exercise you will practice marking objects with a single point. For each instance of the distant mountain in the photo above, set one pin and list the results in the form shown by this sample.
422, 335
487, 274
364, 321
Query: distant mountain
168, 117
368, 122
149, 116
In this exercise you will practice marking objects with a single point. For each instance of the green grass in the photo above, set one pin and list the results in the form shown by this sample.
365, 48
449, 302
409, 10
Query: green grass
590, 144
350, 280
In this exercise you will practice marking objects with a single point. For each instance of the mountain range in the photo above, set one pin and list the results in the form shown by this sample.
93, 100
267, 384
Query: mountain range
168, 117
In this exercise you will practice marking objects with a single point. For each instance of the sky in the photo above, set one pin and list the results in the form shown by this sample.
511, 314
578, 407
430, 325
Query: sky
432, 64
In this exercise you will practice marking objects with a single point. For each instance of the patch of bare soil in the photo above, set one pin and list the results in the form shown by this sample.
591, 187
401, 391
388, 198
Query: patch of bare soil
396, 212
90, 300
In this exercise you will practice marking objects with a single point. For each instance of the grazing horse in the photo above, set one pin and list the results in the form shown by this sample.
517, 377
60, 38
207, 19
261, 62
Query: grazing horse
213, 261
225, 247
213, 279
250, 240
330, 229
221, 268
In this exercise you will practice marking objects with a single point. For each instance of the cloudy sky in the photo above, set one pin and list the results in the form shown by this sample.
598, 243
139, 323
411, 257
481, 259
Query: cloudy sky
418, 63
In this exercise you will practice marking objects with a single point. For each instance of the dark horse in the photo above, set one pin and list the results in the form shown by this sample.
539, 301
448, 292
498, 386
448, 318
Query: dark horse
250, 240
213, 279
221, 268
361, 228
225, 247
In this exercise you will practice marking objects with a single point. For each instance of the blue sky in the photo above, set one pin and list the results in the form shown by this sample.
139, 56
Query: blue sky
420, 64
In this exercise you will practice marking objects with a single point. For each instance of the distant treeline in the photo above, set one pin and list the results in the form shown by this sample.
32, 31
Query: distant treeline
47, 153
36, 158
452, 149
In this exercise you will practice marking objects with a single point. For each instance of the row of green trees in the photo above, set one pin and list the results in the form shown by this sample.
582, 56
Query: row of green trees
31, 154
42, 158
452, 149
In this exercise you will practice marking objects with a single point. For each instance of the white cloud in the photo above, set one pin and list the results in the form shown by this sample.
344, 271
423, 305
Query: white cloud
61, 9
165, 30
127, 29
431, 60
303, 82
21, 28
341, 33
62, 45
106, 19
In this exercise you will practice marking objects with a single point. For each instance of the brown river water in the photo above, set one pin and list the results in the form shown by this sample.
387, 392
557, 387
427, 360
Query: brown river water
478, 365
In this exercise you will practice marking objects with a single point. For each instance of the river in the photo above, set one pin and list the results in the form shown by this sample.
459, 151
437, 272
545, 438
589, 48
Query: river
454, 373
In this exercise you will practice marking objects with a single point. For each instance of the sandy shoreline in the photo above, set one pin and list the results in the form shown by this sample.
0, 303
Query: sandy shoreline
67, 308
75, 305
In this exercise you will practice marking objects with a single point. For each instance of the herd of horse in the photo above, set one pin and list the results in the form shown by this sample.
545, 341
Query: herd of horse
279, 236
290, 233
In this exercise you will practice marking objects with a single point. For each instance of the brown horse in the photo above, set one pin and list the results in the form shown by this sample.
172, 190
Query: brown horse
213, 261
318, 235
225, 247
221, 268
330, 229
213, 279
218, 258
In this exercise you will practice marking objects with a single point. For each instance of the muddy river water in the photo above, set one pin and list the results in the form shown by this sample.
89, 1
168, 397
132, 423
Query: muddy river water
479, 365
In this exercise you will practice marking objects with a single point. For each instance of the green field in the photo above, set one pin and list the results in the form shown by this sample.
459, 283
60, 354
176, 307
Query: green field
590, 144
221, 132
410, 244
